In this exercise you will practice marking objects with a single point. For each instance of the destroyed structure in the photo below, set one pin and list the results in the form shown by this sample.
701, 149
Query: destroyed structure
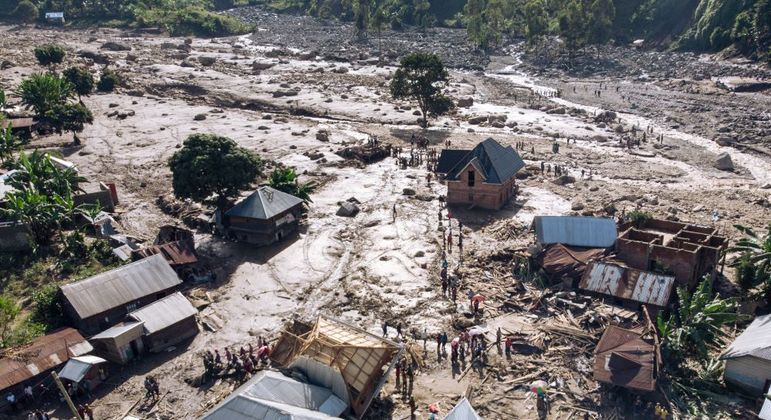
264, 217
121, 343
30, 363
748, 358
627, 286
347, 360
101, 301
483, 177
88, 368
628, 358
687, 251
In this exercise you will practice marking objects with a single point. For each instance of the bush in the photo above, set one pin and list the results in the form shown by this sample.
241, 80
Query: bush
192, 20
108, 81
48, 309
81, 79
638, 217
26, 12
746, 273
49, 54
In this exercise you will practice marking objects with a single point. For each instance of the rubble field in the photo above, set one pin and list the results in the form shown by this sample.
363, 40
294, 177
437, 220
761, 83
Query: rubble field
274, 97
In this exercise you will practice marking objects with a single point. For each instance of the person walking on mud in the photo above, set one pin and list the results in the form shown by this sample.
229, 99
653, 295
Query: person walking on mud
385, 328
394, 212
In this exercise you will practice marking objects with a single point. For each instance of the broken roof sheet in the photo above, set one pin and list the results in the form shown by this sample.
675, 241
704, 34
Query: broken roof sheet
77, 367
566, 261
628, 283
271, 395
754, 341
462, 411
590, 232
358, 355
176, 253
164, 313
43, 353
625, 358
120, 286
498, 163
263, 204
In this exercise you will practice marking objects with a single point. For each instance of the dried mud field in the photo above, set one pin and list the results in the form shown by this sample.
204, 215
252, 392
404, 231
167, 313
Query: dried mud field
273, 99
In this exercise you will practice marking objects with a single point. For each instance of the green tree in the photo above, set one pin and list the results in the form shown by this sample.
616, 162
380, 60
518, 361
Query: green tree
81, 79
36, 170
209, 165
3, 102
108, 81
601, 15
70, 117
696, 327
423, 78
43, 92
286, 180
378, 21
34, 210
536, 21
361, 19
50, 54
48, 307
9, 310
26, 12
742, 32
572, 25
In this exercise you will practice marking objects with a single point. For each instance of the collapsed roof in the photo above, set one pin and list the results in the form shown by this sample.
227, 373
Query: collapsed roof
754, 341
627, 358
339, 356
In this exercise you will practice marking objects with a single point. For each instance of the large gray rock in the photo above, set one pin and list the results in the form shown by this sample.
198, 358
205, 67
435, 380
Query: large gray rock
115, 46
348, 209
465, 102
724, 162
207, 60
94, 56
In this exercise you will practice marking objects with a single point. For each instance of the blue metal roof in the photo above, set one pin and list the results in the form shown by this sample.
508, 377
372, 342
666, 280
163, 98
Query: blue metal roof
264, 203
589, 232
498, 163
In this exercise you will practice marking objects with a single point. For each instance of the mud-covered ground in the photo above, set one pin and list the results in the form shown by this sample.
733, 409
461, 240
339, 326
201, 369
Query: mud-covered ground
272, 94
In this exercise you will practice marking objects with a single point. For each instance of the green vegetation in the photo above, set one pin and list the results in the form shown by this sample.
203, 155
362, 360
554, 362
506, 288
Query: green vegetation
285, 179
9, 310
25, 12
423, 78
753, 265
81, 79
690, 339
191, 20
49, 96
51, 54
209, 165
108, 81
638, 217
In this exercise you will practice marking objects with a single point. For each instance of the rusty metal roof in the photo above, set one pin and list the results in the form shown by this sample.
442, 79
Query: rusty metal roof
175, 253
120, 286
628, 283
44, 353
164, 313
626, 358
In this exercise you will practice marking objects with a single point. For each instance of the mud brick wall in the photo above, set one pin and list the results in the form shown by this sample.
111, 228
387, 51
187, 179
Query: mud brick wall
483, 195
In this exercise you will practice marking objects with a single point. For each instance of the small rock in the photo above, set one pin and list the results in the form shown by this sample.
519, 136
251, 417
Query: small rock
420, 254
723, 162
577, 206
348, 209
322, 135
408, 191
115, 46
207, 61
199, 117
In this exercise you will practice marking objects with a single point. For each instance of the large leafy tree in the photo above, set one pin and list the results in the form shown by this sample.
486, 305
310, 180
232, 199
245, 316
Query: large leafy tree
43, 92
600, 16
70, 117
81, 79
286, 180
423, 78
572, 25
536, 20
209, 165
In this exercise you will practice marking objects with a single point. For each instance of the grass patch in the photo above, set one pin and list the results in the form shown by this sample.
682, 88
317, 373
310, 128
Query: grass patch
192, 20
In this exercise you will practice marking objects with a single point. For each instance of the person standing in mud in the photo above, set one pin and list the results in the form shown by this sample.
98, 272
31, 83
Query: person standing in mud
439, 346
393, 210
443, 275
449, 241
399, 329
444, 342
543, 165
385, 329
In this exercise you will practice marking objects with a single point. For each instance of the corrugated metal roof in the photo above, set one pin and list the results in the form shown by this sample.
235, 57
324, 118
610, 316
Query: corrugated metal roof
497, 163
263, 204
463, 411
628, 283
164, 313
176, 253
449, 158
120, 286
271, 395
77, 367
42, 354
624, 358
754, 341
117, 331
590, 232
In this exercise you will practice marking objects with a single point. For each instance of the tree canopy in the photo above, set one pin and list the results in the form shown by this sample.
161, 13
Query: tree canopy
81, 79
50, 54
209, 165
423, 78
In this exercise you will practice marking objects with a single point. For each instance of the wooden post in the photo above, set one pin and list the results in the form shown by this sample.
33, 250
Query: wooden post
66, 395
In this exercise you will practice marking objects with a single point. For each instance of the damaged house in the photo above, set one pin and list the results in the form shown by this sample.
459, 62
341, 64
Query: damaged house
689, 252
748, 358
628, 358
350, 362
483, 177
264, 217
166, 322
627, 286
101, 301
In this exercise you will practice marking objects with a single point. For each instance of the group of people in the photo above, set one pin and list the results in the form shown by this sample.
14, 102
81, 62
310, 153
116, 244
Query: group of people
405, 376
245, 361
26, 399
41, 415
152, 388
467, 344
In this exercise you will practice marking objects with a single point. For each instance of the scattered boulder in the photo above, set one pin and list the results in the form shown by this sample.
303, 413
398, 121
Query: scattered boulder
115, 46
348, 209
577, 205
465, 102
94, 56
207, 60
477, 120
564, 180
199, 117
723, 162
322, 135
408, 192
5, 65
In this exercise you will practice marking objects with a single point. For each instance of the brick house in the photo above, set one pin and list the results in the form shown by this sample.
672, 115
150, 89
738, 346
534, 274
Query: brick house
483, 177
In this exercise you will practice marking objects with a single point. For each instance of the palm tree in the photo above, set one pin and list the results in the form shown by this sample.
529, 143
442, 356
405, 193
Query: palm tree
285, 179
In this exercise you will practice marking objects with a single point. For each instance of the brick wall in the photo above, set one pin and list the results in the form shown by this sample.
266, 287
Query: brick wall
482, 195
